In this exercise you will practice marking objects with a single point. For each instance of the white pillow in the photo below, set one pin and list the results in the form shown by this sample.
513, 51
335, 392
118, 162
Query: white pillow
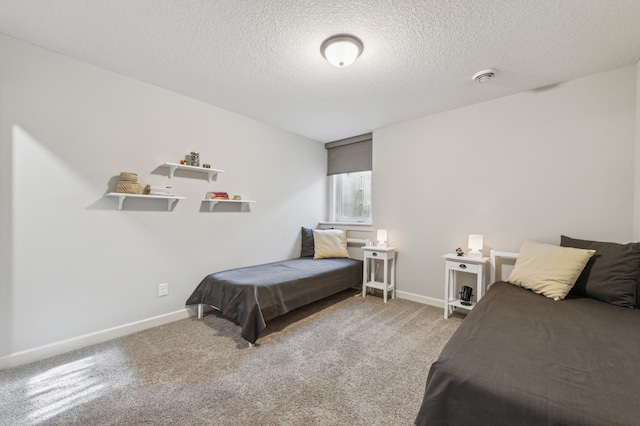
547, 269
329, 243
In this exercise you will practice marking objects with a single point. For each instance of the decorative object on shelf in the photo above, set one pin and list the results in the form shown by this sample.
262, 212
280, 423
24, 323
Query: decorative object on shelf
195, 159
237, 197
459, 252
382, 237
475, 245
128, 184
206, 165
128, 176
214, 195
465, 295
158, 190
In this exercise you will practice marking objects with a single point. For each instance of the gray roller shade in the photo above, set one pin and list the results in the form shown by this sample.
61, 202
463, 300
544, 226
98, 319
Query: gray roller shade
349, 155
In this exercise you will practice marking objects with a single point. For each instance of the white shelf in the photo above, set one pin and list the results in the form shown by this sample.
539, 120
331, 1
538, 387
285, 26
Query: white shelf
457, 303
212, 174
380, 286
171, 199
212, 202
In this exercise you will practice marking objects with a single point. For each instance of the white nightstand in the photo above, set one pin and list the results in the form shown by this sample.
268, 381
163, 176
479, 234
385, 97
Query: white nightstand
470, 265
388, 256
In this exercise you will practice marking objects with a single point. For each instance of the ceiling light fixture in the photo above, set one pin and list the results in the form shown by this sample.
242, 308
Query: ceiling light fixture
484, 75
341, 50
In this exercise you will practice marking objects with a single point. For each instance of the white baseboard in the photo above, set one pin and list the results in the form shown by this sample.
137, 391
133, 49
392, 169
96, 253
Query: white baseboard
57, 348
420, 299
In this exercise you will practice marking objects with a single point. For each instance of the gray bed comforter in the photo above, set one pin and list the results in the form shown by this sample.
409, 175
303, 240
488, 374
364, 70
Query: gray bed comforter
255, 294
519, 358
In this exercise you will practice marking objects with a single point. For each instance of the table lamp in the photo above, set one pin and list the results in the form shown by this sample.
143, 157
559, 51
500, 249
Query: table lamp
475, 245
382, 237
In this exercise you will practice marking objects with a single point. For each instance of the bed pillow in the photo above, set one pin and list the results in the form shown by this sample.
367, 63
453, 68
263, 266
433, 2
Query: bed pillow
306, 248
329, 243
547, 269
611, 275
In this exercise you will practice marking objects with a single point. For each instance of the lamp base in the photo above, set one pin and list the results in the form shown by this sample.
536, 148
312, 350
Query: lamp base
382, 244
476, 254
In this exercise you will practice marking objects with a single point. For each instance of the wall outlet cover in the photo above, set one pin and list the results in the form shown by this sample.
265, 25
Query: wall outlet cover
163, 289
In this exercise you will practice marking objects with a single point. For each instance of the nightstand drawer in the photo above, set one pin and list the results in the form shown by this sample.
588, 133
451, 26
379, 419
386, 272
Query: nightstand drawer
464, 267
374, 254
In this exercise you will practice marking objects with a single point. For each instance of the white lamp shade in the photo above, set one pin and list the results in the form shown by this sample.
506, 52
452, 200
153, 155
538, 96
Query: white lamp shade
475, 241
475, 244
382, 237
341, 50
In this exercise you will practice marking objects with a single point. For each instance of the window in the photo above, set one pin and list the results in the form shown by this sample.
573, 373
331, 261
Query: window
350, 197
349, 171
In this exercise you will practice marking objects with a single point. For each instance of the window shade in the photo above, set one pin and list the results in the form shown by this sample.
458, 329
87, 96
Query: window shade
349, 155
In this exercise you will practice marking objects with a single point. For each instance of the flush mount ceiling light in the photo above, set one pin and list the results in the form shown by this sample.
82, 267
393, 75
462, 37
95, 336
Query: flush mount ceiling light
484, 75
341, 49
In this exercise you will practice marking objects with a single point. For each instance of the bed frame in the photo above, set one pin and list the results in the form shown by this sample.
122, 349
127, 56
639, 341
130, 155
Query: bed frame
496, 258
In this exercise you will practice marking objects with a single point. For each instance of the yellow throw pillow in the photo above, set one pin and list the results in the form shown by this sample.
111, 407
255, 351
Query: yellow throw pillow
547, 269
330, 243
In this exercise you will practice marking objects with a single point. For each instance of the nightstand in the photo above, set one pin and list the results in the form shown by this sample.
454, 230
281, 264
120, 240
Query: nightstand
387, 255
469, 265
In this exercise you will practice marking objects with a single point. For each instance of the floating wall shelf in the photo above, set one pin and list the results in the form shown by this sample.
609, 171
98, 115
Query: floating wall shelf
212, 174
243, 203
171, 199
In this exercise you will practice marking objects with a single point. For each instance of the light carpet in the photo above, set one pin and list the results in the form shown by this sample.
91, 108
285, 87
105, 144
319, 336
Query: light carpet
346, 360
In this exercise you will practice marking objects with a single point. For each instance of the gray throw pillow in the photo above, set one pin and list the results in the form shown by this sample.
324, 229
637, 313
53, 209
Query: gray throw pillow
307, 246
611, 275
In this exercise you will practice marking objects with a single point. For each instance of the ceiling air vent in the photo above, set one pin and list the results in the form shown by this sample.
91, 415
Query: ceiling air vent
484, 75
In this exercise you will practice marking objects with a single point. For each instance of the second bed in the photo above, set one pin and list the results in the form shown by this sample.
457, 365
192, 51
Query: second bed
253, 295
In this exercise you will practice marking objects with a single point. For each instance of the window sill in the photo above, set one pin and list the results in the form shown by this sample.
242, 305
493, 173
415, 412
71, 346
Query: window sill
347, 223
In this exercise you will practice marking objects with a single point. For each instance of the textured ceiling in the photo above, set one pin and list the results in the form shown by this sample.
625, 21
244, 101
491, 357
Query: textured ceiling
261, 58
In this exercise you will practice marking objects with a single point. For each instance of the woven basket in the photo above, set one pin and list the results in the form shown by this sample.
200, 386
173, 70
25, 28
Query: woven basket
128, 177
126, 187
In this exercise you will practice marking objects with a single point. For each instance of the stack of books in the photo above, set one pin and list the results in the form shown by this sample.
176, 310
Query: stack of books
159, 190
217, 196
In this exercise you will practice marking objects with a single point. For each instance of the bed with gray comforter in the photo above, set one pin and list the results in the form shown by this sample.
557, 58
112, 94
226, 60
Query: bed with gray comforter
520, 358
253, 295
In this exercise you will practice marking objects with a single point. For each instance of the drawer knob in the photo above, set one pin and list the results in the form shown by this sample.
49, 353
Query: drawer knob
374, 254
463, 266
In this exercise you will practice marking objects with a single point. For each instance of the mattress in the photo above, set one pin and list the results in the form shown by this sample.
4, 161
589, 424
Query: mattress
255, 294
521, 358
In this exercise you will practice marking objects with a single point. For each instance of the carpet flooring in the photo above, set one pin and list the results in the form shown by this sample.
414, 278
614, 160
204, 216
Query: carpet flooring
345, 360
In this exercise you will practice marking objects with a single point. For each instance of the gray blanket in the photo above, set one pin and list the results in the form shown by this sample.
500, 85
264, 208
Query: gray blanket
520, 358
255, 294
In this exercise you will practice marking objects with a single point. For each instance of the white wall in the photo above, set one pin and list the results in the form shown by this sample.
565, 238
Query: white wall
557, 160
71, 263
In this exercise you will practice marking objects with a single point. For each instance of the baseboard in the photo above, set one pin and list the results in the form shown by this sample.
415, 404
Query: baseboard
420, 299
57, 348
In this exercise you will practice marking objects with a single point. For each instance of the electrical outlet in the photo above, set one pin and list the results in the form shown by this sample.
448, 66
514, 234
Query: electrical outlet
163, 289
